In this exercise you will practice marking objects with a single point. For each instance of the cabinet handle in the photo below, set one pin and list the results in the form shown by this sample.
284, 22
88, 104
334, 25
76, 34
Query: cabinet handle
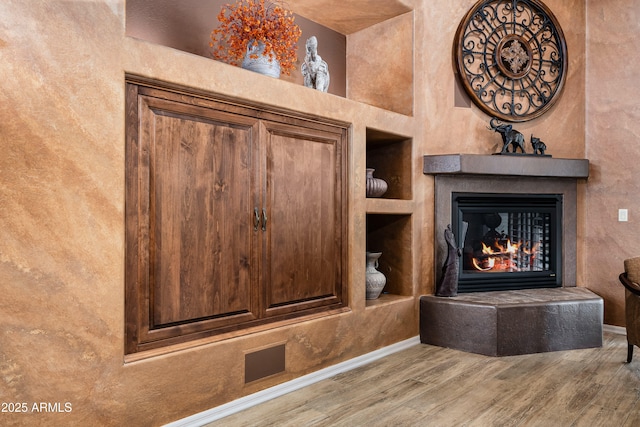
264, 219
256, 219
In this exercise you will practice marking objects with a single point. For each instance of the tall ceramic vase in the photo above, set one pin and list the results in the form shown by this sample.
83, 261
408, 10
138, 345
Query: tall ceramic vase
376, 187
256, 60
375, 280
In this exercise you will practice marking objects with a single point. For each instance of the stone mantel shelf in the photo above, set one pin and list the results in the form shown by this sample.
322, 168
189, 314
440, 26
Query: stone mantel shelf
505, 165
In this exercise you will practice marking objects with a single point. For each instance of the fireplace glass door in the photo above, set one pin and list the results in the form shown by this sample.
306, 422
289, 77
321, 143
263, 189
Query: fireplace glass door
508, 241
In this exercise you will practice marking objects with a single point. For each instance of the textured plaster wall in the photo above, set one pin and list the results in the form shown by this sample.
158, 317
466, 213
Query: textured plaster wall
62, 228
451, 129
464, 130
613, 130
380, 73
62, 196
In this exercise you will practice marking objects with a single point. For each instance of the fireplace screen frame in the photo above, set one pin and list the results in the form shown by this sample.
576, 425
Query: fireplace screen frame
551, 204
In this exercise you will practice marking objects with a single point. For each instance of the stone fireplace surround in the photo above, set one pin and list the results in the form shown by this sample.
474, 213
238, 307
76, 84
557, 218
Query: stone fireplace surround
502, 323
468, 173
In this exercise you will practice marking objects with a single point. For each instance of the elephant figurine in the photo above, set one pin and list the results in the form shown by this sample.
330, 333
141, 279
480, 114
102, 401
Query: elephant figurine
538, 146
510, 136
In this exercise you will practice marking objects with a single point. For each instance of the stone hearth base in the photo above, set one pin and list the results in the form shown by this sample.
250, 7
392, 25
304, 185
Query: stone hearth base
508, 323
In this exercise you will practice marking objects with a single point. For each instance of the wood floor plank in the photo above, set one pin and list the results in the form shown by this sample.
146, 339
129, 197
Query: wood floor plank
542, 391
621, 391
633, 418
367, 410
432, 386
467, 388
272, 411
597, 416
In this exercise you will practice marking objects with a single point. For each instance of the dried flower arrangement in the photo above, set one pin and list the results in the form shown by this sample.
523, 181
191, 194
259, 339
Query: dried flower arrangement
251, 21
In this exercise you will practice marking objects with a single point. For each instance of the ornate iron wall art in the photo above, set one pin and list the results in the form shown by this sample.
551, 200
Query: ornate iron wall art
511, 57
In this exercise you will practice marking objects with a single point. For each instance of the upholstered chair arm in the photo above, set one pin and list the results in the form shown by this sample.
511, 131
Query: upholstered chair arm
632, 287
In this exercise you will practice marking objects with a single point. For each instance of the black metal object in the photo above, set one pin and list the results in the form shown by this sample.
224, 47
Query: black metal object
514, 139
514, 223
447, 286
511, 58
510, 137
539, 147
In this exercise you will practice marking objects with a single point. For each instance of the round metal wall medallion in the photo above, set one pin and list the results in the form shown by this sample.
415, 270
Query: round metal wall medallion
511, 58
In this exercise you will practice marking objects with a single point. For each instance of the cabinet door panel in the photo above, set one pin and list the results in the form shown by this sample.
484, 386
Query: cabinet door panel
303, 265
234, 217
200, 213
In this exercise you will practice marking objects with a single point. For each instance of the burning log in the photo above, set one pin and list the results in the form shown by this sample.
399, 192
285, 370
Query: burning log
502, 258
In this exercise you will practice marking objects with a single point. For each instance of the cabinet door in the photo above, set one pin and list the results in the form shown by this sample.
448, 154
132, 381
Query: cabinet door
305, 209
234, 217
193, 179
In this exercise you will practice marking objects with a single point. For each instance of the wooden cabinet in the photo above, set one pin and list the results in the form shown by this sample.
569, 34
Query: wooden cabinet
235, 216
303, 255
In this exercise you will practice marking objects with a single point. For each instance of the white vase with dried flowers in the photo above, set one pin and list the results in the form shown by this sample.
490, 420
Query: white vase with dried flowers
257, 32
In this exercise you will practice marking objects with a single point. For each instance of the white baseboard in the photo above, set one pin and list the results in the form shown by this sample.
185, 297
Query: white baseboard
614, 329
246, 402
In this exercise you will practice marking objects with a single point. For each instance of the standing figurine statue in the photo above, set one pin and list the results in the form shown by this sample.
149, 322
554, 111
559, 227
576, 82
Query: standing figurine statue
448, 284
314, 70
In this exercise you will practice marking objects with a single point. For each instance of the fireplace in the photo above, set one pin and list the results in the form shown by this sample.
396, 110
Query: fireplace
514, 219
509, 241
535, 199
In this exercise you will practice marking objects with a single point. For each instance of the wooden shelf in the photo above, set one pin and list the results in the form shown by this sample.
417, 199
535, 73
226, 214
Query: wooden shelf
389, 206
386, 299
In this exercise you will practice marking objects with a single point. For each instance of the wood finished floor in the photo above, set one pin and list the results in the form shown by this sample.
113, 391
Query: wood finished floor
432, 386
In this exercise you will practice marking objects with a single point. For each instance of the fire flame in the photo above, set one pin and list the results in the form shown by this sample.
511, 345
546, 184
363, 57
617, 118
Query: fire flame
501, 258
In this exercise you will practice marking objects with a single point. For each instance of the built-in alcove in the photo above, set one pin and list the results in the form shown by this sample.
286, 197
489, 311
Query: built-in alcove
391, 235
344, 41
390, 156
187, 25
389, 225
381, 102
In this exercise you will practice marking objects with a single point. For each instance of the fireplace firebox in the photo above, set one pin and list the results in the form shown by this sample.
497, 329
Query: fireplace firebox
508, 241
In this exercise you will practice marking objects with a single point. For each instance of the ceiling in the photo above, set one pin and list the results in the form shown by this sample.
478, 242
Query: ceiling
348, 17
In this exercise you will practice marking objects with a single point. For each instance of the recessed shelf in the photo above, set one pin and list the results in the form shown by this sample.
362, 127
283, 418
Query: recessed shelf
387, 299
391, 235
186, 26
389, 225
390, 155
389, 206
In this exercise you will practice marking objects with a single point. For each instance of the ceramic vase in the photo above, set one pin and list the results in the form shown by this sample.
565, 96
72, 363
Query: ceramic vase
256, 60
376, 187
375, 280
